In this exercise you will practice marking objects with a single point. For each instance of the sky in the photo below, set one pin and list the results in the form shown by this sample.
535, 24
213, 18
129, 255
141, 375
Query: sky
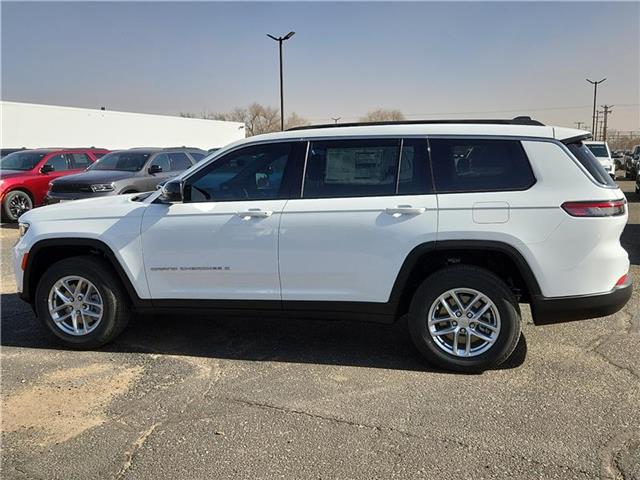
429, 60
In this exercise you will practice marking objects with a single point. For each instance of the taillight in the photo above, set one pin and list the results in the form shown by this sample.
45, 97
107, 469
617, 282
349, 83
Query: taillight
610, 208
621, 280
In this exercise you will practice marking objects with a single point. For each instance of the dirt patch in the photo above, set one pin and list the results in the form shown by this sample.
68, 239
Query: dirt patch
67, 402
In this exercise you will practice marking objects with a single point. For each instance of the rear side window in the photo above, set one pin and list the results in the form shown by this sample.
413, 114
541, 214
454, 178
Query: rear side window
479, 165
591, 163
415, 174
179, 161
351, 168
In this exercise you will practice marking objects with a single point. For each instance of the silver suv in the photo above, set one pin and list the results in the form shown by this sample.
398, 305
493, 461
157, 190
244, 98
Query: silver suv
125, 171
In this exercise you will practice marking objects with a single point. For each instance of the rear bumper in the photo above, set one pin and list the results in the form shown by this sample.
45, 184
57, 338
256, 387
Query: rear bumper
547, 310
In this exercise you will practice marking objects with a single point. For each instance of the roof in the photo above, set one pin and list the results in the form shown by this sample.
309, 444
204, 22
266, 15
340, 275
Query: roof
424, 128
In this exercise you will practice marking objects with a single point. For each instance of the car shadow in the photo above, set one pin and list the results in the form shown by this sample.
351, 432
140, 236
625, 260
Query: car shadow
632, 197
339, 342
630, 241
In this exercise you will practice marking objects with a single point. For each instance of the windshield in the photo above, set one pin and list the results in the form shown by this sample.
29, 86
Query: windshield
21, 161
124, 161
598, 150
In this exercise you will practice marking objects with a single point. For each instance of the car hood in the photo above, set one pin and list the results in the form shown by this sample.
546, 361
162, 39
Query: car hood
111, 207
6, 174
91, 177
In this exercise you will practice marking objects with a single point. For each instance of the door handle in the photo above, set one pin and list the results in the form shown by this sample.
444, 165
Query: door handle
405, 210
254, 213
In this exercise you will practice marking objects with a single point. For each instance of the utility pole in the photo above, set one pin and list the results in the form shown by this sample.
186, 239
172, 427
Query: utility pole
280, 40
595, 94
335, 119
579, 125
594, 132
607, 110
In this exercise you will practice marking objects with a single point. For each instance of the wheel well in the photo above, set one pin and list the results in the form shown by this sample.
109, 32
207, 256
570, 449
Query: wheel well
517, 276
42, 258
21, 189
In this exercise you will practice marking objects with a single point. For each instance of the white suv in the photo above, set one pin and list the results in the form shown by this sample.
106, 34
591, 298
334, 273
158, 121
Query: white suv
602, 152
449, 223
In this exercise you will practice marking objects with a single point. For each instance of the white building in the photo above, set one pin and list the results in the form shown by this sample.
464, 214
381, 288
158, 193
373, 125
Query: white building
32, 126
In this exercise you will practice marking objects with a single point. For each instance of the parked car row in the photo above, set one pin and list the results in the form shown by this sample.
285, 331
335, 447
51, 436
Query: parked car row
30, 178
631, 163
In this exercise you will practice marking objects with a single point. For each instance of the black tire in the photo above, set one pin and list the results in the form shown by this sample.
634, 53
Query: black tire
116, 308
484, 281
8, 204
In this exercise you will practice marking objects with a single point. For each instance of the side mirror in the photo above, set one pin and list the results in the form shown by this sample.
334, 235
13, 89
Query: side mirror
46, 168
155, 169
172, 191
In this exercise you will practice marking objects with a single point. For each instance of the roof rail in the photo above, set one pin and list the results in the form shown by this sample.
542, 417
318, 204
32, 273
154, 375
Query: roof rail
522, 120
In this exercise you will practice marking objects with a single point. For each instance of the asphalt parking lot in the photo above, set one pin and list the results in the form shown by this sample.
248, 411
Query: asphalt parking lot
226, 398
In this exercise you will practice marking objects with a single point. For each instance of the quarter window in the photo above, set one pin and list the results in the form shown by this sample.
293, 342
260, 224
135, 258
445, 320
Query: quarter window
251, 173
479, 165
351, 168
586, 158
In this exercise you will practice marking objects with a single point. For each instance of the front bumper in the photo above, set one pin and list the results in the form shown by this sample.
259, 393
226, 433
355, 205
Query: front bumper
547, 310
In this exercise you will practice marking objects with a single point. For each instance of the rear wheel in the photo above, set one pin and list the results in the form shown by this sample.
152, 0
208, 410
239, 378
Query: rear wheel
82, 302
16, 203
464, 318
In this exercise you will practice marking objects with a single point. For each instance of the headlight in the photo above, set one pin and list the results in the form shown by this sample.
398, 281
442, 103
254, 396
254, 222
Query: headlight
22, 228
102, 187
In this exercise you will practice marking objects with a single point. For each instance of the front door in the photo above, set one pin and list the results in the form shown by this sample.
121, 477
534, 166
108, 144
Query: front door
221, 242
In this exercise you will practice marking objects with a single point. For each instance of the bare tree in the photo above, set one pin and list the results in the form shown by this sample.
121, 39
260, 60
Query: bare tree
295, 120
382, 115
187, 115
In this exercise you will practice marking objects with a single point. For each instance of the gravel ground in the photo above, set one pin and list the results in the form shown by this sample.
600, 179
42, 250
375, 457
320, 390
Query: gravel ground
227, 398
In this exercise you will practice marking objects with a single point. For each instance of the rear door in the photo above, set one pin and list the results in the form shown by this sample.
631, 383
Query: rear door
364, 205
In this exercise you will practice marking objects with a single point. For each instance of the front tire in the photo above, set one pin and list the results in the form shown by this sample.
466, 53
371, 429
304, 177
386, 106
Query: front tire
464, 318
15, 203
82, 302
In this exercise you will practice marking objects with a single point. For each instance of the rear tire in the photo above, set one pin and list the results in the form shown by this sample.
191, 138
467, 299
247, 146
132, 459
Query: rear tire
498, 328
76, 324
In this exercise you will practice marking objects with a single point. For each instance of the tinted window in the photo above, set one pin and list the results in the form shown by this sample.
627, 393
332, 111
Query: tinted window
598, 150
250, 173
99, 154
351, 168
80, 160
21, 160
125, 161
197, 156
591, 163
471, 165
179, 161
162, 159
58, 162
415, 175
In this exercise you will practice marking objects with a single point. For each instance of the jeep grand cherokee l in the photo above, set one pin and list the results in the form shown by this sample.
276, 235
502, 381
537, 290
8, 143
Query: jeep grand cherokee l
452, 224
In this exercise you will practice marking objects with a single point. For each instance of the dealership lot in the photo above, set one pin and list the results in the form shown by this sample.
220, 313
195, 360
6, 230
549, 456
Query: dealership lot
229, 398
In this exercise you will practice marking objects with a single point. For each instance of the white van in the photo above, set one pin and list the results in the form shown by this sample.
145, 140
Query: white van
603, 153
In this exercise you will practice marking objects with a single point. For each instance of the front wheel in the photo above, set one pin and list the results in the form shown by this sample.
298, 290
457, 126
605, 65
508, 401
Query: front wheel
82, 302
464, 318
15, 203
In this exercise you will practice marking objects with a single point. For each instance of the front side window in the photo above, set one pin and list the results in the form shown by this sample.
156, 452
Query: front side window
179, 161
58, 162
161, 160
122, 161
250, 173
197, 156
21, 161
479, 165
80, 160
351, 168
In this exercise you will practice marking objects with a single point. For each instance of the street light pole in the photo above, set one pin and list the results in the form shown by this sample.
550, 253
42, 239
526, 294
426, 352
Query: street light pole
280, 40
595, 94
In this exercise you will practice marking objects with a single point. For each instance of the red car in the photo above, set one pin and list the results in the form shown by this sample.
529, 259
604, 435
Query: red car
25, 175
